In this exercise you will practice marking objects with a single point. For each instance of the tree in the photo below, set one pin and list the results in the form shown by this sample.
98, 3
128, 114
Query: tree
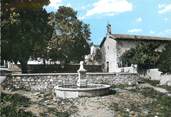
165, 59
144, 55
70, 37
25, 30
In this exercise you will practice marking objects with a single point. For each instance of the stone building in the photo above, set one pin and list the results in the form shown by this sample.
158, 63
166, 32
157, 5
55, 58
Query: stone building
114, 45
94, 58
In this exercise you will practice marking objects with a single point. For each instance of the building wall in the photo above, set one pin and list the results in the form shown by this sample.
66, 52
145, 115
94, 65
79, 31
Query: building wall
109, 55
112, 50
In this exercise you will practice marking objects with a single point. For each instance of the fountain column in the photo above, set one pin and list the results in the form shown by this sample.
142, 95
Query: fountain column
81, 74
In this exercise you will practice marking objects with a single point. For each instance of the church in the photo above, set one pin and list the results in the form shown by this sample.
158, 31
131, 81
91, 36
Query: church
114, 45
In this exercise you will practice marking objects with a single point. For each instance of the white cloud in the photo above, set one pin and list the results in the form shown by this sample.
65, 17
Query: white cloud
165, 33
166, 19
168, 30
164, 8
135, 30
152, 32
85, 7
81, 17
138, 20
110, 7
54, 4
68, 5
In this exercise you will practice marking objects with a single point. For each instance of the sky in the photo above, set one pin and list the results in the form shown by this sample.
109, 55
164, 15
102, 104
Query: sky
139, 17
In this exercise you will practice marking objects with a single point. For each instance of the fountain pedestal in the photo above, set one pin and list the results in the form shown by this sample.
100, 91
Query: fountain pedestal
81, 81
81, 87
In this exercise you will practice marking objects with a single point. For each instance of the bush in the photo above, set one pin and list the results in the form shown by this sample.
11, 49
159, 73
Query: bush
11, 103
15, 99
165, 60
12, 111
144, 55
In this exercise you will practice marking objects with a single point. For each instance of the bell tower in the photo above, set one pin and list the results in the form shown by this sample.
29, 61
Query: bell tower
109, 29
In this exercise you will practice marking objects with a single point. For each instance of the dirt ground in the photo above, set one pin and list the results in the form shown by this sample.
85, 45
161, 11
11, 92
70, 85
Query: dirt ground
102, 106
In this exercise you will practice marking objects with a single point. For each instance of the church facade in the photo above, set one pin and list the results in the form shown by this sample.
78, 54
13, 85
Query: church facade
114, 45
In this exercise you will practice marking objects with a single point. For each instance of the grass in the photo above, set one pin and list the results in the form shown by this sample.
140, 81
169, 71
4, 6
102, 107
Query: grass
156, 83
56, 113
11, 105
161, 104
121, 86
15, 99
14, 105
152, 82
168, 88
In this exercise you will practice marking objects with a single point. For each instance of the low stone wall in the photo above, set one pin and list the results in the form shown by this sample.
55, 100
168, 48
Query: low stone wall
46, 81
112, 78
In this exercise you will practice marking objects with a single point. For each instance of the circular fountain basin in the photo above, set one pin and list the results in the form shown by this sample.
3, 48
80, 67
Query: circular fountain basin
88, 91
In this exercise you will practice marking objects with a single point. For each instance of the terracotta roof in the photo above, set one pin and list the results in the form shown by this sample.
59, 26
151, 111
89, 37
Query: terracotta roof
138, 37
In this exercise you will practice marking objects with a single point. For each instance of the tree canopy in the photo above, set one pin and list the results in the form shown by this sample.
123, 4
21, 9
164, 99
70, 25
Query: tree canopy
144, 55
70, 37
29, 31
25, 30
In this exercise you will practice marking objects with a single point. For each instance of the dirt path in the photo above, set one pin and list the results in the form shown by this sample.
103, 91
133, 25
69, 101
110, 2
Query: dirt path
92, 107
159, 89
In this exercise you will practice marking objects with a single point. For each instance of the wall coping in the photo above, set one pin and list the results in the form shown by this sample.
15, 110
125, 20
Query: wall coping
89, 73
44, 74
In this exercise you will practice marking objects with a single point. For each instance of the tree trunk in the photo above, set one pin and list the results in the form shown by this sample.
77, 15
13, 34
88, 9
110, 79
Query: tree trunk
24, 66
44, 62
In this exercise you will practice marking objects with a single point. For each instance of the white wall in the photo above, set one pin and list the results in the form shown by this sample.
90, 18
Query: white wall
109, 47
155, 74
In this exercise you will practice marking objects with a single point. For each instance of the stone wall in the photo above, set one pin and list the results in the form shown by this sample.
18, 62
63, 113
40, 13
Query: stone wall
46, 81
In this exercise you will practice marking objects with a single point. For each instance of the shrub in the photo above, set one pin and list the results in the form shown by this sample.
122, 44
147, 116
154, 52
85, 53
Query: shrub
165, 60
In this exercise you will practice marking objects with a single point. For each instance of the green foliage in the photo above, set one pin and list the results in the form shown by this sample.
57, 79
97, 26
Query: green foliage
165, 59
10, 111
25, 32
121, 86
168, 88
15, 99
11, 104
144, 55
69, 40
161, 104
62, 114
152, 82
24, 4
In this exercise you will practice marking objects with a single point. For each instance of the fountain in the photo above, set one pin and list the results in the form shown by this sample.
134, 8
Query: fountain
81, 88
